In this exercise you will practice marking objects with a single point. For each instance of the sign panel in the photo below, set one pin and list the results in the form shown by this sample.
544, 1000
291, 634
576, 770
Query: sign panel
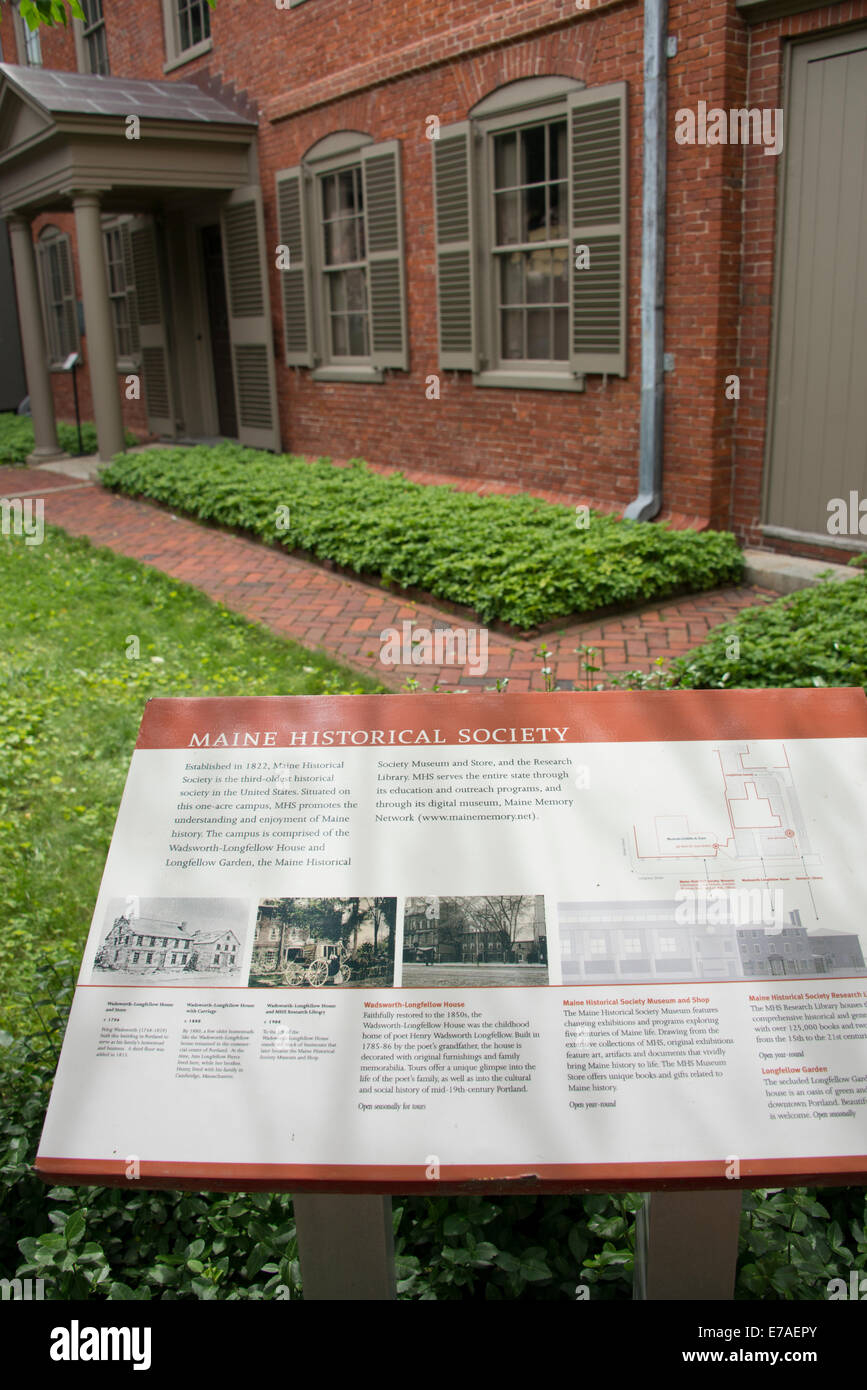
563, 942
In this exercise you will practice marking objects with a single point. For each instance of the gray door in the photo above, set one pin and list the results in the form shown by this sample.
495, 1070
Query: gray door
818, 408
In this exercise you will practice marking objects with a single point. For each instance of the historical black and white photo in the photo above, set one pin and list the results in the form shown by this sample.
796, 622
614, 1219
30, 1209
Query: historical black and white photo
498, 940
181, 941
324, 942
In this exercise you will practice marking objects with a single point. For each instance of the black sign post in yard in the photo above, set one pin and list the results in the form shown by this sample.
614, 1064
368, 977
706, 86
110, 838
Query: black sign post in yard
73, 361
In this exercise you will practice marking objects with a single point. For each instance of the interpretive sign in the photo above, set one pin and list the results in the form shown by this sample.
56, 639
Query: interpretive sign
564, 941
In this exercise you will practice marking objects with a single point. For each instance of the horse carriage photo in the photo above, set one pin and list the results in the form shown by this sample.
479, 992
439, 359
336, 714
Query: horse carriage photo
320, 942
316, 963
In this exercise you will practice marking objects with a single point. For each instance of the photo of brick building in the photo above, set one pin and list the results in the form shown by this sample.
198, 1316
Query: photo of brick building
469, 239
183, 940
490, 940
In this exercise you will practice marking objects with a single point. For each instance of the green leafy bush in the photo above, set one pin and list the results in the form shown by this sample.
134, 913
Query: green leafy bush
514, 559
16, 438
816, 636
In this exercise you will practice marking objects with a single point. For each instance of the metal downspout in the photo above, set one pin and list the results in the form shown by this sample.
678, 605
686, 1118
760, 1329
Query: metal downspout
649, 500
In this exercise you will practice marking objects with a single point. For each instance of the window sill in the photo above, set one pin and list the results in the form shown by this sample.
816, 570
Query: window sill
530, 381
197, 50
335, 372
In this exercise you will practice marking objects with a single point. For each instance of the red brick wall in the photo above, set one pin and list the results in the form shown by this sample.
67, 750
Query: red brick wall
331, 65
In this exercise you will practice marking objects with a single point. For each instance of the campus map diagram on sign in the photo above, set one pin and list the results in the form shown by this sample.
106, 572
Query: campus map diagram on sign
757, 832
382, 942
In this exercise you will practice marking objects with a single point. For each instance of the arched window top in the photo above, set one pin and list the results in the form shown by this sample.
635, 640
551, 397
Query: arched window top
526, 91
338, 143
49, 232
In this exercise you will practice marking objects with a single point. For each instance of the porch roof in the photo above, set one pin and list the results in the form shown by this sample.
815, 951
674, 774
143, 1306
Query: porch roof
66, 132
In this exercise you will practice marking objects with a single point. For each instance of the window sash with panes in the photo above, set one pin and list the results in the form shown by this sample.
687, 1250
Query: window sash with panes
530, 246
59, 342
93, 34
194, 23
118, 292
30, 41
344, 264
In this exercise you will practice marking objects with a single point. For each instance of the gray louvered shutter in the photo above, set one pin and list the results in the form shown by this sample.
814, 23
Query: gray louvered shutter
294, 282
599, 206
250, 319
151, 319
52, 337
455, 248
383, 211
70, 309
61, 329
129, 277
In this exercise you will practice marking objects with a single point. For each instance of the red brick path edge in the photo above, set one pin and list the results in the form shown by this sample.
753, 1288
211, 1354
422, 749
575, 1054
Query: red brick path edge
343, 618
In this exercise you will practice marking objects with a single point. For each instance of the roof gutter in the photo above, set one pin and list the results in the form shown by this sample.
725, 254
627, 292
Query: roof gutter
649, 500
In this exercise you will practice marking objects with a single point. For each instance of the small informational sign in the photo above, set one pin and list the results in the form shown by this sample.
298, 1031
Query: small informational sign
555, 941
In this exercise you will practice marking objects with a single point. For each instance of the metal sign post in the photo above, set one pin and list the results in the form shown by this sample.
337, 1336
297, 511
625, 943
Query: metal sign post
70, 365
345, 1246
686, 1245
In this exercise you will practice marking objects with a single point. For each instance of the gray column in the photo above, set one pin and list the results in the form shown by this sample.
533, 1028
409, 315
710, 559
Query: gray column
345, 1245
99, 326
33, 346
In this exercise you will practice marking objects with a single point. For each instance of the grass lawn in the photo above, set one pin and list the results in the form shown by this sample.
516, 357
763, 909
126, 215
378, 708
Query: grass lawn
71, 700
16, 438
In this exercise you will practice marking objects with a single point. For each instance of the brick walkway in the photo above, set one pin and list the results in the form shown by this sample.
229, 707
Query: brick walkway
344, 618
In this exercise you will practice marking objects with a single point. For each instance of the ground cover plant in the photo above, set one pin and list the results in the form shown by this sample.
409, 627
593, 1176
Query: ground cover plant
517, 559
16, 438
70, 704
816, 636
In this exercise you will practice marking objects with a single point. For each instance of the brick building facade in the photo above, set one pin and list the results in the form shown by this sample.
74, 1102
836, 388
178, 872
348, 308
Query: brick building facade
381, 342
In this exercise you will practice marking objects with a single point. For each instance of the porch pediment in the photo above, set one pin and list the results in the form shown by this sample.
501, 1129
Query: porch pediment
63, 131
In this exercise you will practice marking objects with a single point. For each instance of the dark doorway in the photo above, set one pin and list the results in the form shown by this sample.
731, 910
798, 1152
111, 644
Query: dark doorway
218, 318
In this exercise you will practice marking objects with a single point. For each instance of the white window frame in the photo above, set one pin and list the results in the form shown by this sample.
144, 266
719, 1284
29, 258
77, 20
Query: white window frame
551, 373
329, 367
83, 32
176, 55
323, 272
125, 362
27, 40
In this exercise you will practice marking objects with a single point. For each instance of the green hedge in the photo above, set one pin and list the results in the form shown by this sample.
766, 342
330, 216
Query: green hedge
16, 438
514, 559
817, 636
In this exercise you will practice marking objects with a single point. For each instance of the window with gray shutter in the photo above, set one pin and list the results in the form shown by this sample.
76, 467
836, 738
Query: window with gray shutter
250, 319
294, 277
531, 206
54, 253
385, 255
118, 262
151, 321
597, 135
455, 247
340, 216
